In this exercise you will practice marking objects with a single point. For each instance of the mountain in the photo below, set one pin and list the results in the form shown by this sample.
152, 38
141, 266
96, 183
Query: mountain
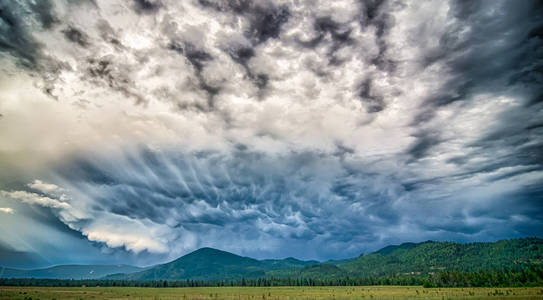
213, 264
389, 249
287, 263
428, 257
208, 264
321, 271
204, 264
408, 258
69, 271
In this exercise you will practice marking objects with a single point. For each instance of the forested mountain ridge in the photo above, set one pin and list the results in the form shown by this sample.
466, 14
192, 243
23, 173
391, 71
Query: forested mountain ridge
413, 259
406, 259
431, 257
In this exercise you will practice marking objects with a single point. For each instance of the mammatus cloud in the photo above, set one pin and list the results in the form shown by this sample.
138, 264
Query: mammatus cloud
313, 129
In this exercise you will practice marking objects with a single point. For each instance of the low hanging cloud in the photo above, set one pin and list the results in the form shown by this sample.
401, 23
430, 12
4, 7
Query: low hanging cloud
113, 230
7, 210
313, 129
32, 198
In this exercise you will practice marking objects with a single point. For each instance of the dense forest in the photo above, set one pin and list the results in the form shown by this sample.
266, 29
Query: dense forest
430, 258
525, 278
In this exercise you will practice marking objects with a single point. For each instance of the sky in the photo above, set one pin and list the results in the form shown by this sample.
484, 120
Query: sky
137, 131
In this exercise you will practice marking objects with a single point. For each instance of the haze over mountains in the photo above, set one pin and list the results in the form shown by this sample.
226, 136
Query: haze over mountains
69, 271
208, 264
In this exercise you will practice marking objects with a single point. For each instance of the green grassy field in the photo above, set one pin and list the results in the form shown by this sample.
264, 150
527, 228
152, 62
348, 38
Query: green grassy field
373, 292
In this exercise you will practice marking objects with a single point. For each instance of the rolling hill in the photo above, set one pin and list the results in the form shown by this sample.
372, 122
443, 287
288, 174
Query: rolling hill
69, 271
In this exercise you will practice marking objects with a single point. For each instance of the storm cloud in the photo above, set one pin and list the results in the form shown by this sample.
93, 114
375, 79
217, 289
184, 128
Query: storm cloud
146, 129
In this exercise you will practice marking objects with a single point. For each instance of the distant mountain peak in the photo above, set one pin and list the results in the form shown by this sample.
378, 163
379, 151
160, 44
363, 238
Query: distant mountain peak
207, 250
210, 252
290, 258
389, 249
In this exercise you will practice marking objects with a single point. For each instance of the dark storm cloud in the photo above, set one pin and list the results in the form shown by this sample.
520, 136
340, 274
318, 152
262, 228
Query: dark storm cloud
213, 191
374, 103
108, 34
15, 36
242, 54
103, 71
76, 36
198, 59
499, 55
265, 19
238, 6
19, 22
501, 49
339, 34
147, 6
161, 186
370, 127
210, 91
376, 13
16, 30
266, 23
45, 13
425, 142
195, 56
518, 213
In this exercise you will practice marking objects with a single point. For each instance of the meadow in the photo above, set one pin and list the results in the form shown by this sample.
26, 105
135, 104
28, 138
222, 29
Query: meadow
356, 292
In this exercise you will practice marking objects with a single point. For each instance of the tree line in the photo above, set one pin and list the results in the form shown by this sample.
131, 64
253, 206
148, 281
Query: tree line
528, 277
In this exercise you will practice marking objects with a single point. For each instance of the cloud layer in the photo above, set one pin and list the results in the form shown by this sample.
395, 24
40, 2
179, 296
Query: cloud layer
313, 129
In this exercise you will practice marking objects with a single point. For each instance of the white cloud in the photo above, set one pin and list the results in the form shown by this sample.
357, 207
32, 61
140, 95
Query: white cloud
46, 188
33, 198
134, 235
7, 210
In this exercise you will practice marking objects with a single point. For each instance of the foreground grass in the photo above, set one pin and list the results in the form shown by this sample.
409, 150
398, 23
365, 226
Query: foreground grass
359, 292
